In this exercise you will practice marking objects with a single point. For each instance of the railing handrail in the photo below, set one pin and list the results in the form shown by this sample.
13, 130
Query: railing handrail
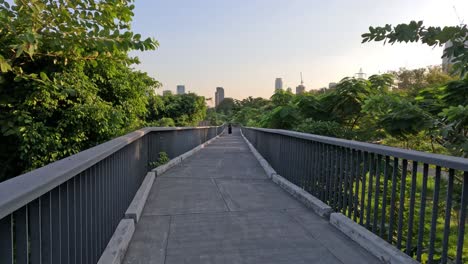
453, 162
22, 189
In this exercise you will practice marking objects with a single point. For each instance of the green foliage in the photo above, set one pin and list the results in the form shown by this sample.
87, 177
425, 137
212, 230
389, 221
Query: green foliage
163, 158
456, 93
281, 117
65, 80
324, 128
247, 115
381, 83
183, 109
226, 106
163, 122
398, 117
431, 36
214, 118
281, 97
455, 129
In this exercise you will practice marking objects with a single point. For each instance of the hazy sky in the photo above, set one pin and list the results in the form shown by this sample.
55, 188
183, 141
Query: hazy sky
243, 45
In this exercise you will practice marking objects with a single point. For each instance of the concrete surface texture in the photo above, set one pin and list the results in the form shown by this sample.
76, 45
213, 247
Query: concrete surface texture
218, 206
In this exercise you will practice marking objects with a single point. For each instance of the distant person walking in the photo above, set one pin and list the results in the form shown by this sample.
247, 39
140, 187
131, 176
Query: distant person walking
230, 128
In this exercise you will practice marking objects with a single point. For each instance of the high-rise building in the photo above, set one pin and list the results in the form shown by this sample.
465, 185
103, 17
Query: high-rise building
278, 84
180, 89
167, 92
219, 95
300, 88
332, 85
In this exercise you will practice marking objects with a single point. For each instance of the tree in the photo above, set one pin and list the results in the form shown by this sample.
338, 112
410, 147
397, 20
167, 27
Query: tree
185, 109
455, 129
349, 96
398, 117
65, 80
381, 83
414, 31
281, 97
226, 106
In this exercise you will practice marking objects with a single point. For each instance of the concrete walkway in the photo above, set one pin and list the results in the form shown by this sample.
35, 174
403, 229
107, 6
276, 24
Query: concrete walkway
219, 207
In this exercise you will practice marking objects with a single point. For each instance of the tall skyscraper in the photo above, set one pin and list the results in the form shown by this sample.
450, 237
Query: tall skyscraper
278, 84
219, 95
180, 89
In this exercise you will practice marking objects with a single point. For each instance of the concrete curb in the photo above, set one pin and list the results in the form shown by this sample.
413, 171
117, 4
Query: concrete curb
304, 197
176, 160
138, 203
375, 245
118, 244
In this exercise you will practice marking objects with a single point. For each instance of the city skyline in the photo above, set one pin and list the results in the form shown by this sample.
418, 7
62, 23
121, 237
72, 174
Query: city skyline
243, 46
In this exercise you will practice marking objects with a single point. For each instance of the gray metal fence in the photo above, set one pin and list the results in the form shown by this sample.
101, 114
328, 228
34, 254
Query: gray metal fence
416, 201
67, 211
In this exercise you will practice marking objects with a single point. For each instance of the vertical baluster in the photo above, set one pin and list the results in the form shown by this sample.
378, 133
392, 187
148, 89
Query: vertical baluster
327, 174
94, 213
309, 164
336, 177
409, 236
46, 228
315, 168
363, 190
392, 200
79, 218
21, 235
56, 225
344, 204
319, 167
341, 180
377, 193
109, 184
384, 197
448, 213
351, 183
35, 230
64, 246
462, 220
320, 175
402, 203
369, 192
435, 208
336, 171
6, 243
357, 180
89, 216
422, 212
101, 209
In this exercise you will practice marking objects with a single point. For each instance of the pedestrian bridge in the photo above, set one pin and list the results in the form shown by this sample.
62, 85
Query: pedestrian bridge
260, 196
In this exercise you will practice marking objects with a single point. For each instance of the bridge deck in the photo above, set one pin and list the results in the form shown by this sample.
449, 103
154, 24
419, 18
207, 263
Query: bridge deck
219, 207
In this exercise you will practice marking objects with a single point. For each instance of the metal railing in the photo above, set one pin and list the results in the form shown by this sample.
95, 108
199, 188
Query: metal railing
416, 201
67, 211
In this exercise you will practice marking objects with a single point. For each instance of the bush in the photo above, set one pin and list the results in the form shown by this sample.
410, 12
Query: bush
163, 122
324, 128
162, 159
